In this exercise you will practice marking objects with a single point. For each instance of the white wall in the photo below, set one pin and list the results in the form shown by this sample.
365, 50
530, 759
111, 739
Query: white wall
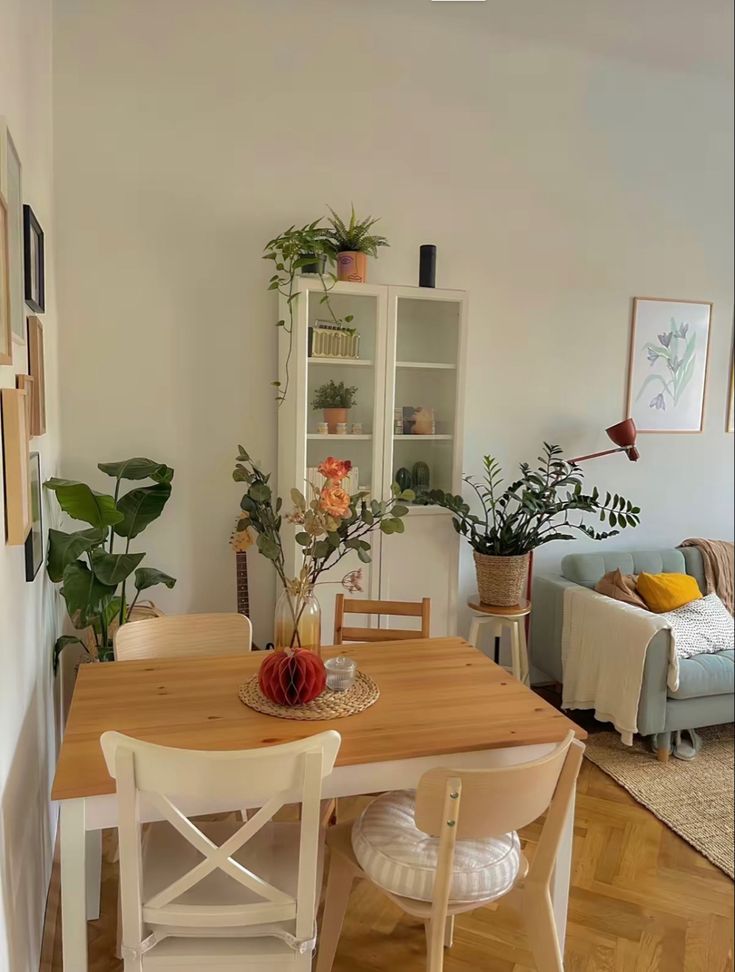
564, 157
27, 611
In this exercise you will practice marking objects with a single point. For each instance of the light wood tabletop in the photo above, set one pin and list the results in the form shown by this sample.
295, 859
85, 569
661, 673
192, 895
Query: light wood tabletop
437, 696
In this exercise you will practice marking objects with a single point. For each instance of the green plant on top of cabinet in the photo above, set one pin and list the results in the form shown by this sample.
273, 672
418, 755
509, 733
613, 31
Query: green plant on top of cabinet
92, 572
352, 243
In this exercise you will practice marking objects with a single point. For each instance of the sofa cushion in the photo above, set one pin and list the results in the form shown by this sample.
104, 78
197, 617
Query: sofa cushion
706, 675
621, 587
667, 592
588, 568
399, 857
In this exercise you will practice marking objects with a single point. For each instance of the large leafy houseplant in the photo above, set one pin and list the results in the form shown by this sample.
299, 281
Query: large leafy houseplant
89, 564
330, 524
544, 504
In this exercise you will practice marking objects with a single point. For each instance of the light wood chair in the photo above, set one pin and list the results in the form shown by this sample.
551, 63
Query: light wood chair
181, 635
404, 609
458, 805
219, 894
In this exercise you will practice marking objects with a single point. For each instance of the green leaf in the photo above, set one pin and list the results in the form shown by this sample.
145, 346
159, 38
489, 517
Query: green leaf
112, 569
303, 538
63, 548
268, 547
364, 556
138, 468
298, 499
62, 643
146, 577
84, 594
140, 507
398, 526
82, 503
399, 510
260, 492
387, 527
408, 495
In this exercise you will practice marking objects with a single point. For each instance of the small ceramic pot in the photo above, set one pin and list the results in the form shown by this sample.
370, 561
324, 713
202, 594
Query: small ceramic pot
352, 266
334, 417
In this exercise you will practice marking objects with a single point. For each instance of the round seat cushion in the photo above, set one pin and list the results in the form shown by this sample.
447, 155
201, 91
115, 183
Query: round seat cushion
399, 857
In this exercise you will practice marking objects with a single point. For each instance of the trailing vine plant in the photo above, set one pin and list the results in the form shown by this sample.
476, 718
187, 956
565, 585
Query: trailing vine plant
291, 251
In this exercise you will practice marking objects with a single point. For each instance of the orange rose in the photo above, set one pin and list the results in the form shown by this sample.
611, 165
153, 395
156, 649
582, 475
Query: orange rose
335, 470
335, 501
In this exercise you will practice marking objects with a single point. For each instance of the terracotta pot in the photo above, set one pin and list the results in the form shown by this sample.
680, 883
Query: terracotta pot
352, 266
333, 416
501, 581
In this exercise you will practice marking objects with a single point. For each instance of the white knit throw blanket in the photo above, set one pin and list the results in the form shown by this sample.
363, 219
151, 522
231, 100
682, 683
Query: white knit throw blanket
604, 644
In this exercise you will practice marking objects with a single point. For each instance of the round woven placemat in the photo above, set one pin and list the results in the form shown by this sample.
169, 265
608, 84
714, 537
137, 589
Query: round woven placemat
329, 705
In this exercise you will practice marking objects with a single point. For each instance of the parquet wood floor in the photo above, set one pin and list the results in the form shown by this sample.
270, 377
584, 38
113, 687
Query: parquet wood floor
642, 901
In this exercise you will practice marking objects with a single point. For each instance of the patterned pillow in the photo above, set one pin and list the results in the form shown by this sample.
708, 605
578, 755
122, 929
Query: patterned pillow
702, 627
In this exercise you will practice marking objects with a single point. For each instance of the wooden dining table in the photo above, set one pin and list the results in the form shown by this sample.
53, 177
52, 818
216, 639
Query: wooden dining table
442, 703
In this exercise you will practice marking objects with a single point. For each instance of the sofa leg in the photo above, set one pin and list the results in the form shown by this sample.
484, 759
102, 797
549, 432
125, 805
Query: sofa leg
662, 754
663, 747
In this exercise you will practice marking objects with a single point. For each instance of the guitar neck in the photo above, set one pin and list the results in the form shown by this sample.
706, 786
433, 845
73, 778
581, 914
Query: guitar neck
243, 594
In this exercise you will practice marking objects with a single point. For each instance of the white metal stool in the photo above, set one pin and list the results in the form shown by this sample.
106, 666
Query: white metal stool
511, 618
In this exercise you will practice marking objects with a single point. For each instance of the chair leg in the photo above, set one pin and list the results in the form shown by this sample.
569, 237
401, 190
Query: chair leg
538, 915
434, 946
474, 634
449, 932
339, 885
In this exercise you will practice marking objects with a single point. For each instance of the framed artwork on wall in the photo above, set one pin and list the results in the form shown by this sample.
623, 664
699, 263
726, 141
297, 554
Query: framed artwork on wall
6, 338
25, 383
34, 287
730, 427
16, 467
11, 188
667, 369
36, 368
34, 540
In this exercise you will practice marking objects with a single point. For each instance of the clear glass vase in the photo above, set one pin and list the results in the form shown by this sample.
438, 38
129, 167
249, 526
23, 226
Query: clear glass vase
298, 621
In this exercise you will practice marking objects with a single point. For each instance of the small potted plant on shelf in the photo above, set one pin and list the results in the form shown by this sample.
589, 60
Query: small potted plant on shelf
529, 512
92, 573
335, 399
351, 244
329, 523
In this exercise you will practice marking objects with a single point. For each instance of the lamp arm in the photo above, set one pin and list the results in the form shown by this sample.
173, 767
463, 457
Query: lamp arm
596, 455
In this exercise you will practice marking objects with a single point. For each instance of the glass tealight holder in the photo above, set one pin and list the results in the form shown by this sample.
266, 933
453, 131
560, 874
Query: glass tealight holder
341, 673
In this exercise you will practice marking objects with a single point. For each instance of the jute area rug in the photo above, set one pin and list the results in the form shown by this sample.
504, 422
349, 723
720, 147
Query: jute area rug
694, 798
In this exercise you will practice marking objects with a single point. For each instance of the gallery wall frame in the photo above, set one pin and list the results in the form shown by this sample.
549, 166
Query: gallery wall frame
11, 188
37, 371
16, 466
668, 364
34, 540
25, 383
34, 262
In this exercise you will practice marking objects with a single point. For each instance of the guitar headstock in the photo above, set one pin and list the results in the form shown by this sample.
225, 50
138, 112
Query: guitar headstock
240, 540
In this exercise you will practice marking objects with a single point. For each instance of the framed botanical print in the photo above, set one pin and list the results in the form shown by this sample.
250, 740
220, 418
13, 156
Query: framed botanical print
34, 540
34, 289
16, 466
6, 334
37, 370
667, 370
12, 190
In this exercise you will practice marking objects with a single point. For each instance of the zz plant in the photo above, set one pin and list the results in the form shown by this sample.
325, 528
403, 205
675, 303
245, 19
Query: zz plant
89, 564
542, 505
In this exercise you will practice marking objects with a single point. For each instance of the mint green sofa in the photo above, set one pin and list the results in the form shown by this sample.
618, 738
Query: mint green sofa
705, 696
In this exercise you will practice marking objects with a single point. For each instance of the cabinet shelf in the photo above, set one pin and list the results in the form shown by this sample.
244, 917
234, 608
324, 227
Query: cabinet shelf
350, 362
427, 365
348, 437
424, 438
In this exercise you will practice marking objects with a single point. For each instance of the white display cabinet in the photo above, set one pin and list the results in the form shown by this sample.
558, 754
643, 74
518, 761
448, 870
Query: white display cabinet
411, 357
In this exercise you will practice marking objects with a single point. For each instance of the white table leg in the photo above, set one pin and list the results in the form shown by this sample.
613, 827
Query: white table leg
474, 631
562, 876
73, 886
94, 873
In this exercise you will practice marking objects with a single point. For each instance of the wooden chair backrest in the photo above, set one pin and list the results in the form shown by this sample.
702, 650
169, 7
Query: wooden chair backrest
271, 776
405, 609
179, 635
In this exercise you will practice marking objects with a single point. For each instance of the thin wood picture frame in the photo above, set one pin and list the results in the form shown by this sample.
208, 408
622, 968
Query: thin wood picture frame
668, 364
6, 333
34, 261
37, 371
730, 423
11, 188
34, 540
16, 463
25, 383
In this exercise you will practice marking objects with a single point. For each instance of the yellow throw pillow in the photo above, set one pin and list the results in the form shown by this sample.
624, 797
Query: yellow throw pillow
667, 592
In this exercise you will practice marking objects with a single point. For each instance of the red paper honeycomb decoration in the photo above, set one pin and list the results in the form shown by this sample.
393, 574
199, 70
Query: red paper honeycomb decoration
292, 677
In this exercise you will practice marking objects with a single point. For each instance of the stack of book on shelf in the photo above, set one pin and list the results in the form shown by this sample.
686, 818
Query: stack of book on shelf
351, 484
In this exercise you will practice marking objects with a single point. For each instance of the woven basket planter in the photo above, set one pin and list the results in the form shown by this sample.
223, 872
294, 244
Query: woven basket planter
501, 581
141, 612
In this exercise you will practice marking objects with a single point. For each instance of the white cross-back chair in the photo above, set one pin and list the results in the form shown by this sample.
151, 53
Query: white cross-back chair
452, 846
183, 635
226, 894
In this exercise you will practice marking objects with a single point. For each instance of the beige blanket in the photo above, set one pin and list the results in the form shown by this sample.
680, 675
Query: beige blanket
604, 644
718, 568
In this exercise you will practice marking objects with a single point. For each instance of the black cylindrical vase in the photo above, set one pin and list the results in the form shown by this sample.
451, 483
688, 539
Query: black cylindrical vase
427, 265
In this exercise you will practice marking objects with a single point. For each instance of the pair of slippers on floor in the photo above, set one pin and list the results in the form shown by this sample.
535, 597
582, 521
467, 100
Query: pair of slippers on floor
686, 749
